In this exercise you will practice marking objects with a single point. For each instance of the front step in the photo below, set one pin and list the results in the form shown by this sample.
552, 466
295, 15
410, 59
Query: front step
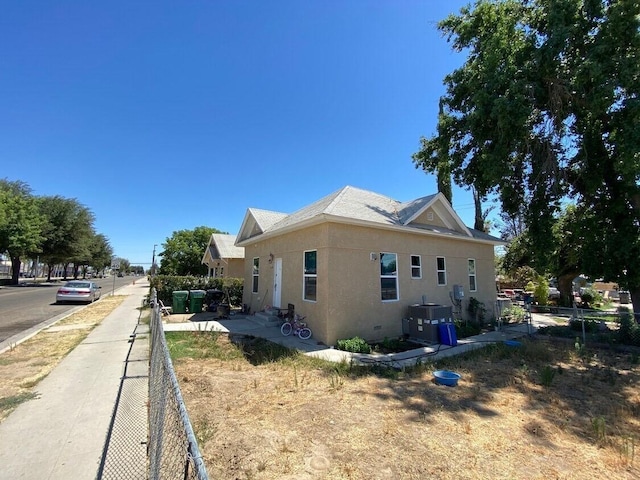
268, 319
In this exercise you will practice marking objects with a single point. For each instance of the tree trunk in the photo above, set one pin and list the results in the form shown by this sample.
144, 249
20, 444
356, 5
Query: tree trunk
565, 285
478, 223
15, 270
49, 268
635, 302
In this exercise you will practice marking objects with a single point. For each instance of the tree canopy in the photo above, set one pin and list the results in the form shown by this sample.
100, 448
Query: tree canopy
20, 223
546, 110
56, 229
182, 253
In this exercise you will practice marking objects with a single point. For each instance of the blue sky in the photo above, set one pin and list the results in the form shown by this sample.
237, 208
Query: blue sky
163, 116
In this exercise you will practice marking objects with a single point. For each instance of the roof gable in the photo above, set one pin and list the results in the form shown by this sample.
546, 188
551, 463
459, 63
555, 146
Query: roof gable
222, 246
433, 210
257, 222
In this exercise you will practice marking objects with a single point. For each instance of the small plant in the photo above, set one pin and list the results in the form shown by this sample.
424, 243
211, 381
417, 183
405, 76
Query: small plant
515, 313
590, 298
336, 382
524, 369
541, 290
466, 329
599, 427
476, 310
628, 449
354, 345
547, 375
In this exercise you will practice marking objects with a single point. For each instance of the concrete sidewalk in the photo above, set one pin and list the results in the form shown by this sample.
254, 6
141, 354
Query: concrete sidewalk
61, 434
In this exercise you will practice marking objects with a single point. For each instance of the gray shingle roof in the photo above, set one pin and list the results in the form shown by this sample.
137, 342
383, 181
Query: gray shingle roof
356, 205
226, 246
266, 218
348, 202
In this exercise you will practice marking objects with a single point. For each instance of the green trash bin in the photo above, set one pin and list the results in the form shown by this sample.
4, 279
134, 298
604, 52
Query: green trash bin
196, 299
179, 301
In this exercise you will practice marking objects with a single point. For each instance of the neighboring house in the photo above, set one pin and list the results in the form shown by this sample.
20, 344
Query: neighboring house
223, 257
354, 261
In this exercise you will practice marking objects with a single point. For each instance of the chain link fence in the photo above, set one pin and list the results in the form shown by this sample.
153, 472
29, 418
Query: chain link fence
125, 451
173, 448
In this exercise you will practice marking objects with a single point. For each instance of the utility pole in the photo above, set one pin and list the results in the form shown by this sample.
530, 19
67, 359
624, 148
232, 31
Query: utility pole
153, 261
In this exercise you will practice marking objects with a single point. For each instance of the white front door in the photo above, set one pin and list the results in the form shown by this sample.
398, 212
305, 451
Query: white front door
277, 280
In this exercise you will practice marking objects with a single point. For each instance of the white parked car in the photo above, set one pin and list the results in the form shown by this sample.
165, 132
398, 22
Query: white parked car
78, 291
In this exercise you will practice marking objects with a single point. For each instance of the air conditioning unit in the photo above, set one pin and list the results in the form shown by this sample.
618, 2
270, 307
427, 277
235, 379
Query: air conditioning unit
424, 319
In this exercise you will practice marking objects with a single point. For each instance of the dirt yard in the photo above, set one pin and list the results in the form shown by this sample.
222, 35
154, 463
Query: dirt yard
542, 411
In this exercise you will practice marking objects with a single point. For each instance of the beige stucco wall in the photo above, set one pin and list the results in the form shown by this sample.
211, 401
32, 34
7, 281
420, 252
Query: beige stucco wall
233, 267
348, 298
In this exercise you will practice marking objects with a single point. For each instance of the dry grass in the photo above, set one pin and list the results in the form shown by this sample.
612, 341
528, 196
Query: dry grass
538, 412
22, 367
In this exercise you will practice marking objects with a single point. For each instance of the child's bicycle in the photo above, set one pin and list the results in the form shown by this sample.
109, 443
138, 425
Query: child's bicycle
297, 327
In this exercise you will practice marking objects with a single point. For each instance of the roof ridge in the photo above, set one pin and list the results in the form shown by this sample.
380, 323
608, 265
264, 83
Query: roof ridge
337, 195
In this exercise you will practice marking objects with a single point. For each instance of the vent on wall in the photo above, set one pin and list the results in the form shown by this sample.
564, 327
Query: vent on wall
430, 216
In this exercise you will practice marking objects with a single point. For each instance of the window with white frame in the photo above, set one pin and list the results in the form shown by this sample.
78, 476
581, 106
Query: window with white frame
416, 266
388, 276
441, 270
472, 275
310, 275
256, 274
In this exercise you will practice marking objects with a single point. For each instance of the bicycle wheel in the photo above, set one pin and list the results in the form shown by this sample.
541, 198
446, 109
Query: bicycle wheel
286, 329
304, 333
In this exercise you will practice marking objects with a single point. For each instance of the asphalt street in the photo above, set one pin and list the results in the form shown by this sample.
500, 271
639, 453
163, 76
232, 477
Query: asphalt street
30, 303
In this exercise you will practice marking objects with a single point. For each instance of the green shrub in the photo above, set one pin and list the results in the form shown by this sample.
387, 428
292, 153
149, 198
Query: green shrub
590, 297
166, 285
467, 329
354, 345
515, 313
590, 326
629, 331
541, 291
476, 310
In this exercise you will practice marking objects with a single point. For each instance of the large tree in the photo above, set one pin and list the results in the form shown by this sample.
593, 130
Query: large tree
182, 253
68, 232
546, 108
20, 224
101, 252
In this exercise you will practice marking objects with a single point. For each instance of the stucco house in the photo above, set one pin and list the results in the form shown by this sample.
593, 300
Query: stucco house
223, 257
354, 261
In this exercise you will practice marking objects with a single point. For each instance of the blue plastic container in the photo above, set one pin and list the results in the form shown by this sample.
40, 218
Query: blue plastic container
447, 334
512, 343
446, 377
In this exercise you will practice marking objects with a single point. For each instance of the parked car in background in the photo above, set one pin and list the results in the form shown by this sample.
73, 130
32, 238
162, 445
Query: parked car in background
509, 293
78, 291
554, 293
